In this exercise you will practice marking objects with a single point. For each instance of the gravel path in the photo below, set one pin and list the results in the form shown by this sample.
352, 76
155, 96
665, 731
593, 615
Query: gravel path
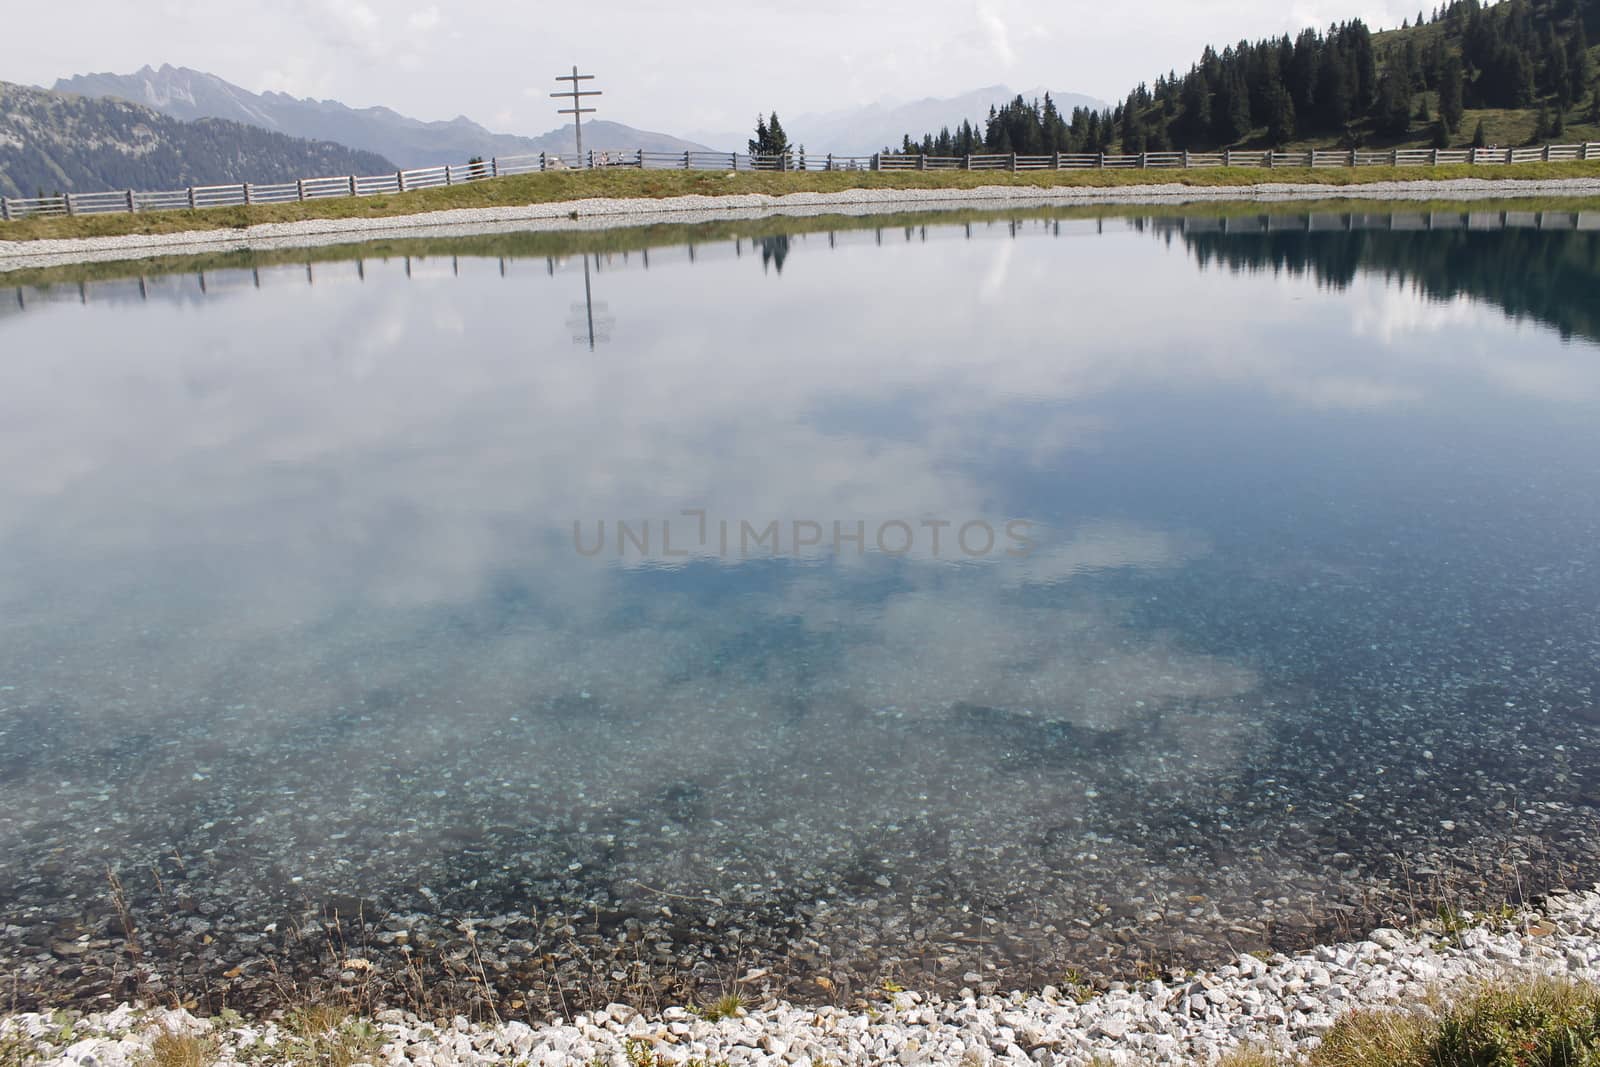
600, 213
1280, 1001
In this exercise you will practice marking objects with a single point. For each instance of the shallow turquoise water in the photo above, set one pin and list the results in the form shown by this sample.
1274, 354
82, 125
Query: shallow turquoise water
1264, 601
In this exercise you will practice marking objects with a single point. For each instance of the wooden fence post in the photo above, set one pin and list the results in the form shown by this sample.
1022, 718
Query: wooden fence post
1547, 153
733, 161
1185, 159
448, 179
300, 188
1227, 157
589, 164
966, 161
191, 198
1433, 158
494, 166
5, 209
352, 185
830, 161
922, 161
1141, 161
875, 161
130, 201
1011, 162
686, 159
1100, 160
400, 179
249, 196
66, 198
541, 161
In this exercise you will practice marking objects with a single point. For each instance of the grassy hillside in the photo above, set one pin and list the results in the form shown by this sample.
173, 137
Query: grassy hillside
1525, 69
558, 186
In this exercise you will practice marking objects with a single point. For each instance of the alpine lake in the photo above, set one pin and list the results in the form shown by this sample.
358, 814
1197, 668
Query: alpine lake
794, 606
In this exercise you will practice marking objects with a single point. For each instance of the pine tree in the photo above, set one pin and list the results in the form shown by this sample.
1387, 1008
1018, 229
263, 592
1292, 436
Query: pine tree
1280, 118
1441, 135
1424, 116
779, 139
1478, 138
1451, 93
1541, 126
1394, 107
1333, 90
758, 144
1578, 59
1232, 112
1193, 125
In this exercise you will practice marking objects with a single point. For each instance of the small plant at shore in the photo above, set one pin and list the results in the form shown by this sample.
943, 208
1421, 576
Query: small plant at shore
728, 1006
1453, 922
171, 1048
1540, 1022
331, 1036
1250, 1056
1076, 987
16, 1050
640, 1053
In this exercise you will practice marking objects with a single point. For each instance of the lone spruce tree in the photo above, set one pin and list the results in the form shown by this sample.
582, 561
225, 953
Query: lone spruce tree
770, 140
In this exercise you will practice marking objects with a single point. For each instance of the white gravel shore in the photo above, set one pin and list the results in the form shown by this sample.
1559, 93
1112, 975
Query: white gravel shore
1283, 1002
600, 213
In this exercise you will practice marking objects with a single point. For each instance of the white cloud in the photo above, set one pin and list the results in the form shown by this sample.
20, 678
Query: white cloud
428, 18
999, 38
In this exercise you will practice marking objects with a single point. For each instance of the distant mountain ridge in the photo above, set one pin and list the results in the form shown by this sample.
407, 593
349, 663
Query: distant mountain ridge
59, 142
192, 94
869, 128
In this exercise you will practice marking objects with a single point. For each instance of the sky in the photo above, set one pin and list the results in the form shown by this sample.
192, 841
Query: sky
672, 67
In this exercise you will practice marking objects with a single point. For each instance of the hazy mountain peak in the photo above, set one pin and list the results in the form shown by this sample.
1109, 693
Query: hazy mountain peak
409, 142
53, 141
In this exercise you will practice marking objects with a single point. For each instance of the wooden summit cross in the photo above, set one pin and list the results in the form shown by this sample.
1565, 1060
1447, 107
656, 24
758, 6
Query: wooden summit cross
577, 110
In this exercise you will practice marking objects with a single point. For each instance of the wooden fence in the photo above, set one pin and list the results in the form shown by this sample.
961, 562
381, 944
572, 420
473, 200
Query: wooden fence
201, 196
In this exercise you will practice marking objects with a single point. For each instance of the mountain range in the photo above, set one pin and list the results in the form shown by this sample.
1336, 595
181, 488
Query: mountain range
191, 94
56, 142
869, 128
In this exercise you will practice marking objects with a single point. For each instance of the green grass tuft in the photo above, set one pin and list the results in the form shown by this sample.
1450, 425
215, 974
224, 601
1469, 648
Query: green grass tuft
1540, 1022
729, 1005
173, 1049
